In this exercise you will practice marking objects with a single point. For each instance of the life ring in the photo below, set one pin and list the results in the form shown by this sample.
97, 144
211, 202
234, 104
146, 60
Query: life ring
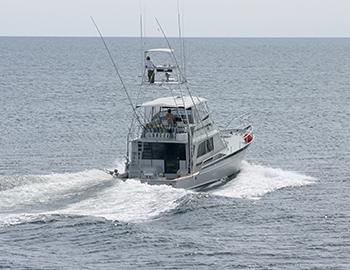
248, 137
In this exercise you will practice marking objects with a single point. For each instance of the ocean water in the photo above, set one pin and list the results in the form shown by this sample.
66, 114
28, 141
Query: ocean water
64, 116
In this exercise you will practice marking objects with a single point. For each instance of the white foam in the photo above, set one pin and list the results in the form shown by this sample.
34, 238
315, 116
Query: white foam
254, 181
123, 201
47, 188
130, 201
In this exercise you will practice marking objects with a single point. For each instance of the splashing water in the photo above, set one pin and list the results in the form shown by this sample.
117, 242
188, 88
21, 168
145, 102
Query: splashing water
254, 181
92, 193
46, 189
95, 193
129, 201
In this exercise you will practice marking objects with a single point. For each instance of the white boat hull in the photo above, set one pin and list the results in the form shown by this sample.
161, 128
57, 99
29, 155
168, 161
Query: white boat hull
213, 172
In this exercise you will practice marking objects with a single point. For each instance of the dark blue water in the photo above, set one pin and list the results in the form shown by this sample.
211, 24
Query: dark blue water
63, 116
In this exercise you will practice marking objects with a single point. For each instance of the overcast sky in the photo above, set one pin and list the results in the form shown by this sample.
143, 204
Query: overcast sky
208, 18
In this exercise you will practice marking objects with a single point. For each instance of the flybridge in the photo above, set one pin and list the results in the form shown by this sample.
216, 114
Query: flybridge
160, 67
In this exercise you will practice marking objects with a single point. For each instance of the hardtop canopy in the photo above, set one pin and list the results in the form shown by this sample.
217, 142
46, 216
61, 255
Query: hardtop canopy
174, 102
166, 50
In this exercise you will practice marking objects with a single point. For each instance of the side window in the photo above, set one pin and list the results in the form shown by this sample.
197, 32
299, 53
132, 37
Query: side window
202, 112
205, 147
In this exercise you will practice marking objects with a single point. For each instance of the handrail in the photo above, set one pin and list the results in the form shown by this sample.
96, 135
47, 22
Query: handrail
248, 128
243, 117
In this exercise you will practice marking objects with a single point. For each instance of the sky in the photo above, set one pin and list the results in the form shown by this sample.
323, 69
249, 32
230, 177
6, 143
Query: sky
201, 18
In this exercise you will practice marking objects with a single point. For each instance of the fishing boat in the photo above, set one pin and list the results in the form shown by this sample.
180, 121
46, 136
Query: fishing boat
173, 140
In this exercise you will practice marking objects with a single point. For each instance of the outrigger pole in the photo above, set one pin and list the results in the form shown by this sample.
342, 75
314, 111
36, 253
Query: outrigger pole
180, 71
181, 38
117, 71
141, 45
183, 77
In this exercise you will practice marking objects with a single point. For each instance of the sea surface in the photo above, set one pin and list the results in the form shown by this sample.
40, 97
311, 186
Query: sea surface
64, 116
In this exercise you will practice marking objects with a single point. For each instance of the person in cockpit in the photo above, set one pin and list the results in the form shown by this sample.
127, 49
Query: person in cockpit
170, 118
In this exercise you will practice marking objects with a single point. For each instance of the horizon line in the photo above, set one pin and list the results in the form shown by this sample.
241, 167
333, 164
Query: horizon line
110, 36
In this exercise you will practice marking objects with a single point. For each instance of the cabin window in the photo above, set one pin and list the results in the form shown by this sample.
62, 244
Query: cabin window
179, 113
205, 147
164, 151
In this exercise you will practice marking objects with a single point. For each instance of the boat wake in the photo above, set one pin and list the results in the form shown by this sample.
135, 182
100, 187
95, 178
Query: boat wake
95, 193
254, 181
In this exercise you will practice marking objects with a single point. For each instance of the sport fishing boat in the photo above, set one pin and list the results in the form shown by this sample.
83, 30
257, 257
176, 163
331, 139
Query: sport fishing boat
172, 139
